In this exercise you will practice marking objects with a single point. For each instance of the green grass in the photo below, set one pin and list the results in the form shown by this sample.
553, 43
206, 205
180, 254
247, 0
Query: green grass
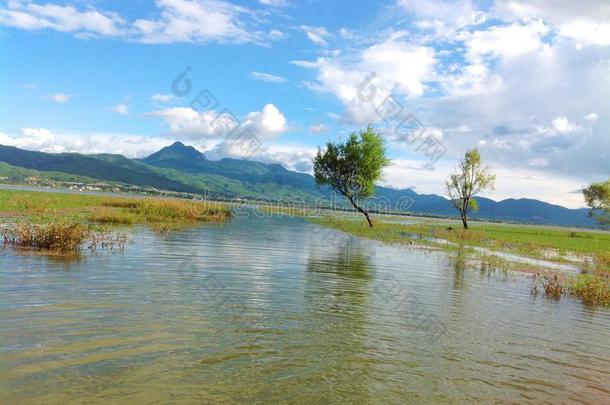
161, 214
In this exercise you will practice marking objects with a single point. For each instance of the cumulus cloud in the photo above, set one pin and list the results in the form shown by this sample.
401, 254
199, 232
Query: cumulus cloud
363, 80
562, 125
187, 123
586, 21
507, 41
267, 77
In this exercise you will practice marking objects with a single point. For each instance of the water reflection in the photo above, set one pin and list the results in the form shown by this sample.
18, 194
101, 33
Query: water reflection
459, 265
338, 289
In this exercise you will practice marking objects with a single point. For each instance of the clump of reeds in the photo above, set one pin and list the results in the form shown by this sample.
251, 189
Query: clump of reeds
59, 236
592, 289
550, 286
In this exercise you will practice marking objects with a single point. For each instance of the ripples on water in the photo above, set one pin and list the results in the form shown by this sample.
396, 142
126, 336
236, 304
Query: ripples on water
280, 310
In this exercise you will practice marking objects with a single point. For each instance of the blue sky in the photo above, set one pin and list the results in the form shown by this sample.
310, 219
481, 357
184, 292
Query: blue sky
527, 82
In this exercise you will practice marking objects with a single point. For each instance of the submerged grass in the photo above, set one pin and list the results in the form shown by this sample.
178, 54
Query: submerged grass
588, 249
592, 288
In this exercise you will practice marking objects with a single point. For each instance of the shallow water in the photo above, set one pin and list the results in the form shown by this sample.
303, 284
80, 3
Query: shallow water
264, 310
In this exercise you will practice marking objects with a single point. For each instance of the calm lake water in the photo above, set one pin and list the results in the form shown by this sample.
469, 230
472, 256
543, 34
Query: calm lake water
267, 310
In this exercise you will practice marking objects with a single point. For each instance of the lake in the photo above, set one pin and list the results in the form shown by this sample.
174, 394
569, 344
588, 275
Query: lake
267, 310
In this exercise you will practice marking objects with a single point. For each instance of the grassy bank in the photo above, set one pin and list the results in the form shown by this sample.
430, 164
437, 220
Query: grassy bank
588, 250
61, 222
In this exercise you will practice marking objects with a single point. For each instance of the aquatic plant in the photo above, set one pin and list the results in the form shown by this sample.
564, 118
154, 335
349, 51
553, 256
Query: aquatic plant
550, 286
592, 289
59, 236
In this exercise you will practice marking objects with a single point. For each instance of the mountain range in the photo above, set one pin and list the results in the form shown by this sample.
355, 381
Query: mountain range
182, 168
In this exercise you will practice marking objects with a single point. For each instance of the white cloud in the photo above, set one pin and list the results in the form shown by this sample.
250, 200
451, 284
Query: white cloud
59, 97
592, 117
274, 3
317, 35
268, 77
563, 125
121, 109
192, 21
363, 80
268, 123
42, 139
584, 21
190, 124
346, 33
33, 16
196, 21
319, 129
444, 14
186, 123
276, 34
162, 98
507, 41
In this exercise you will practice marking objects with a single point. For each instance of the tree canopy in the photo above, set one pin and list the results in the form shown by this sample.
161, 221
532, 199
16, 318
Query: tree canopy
597, 197
352, 168
470, 179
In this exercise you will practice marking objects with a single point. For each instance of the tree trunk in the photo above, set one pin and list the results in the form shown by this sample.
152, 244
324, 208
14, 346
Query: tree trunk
366, 214
464, 221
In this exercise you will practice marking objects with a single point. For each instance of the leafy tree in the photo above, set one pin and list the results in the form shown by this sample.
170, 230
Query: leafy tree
597, 197
471, 178
353, 167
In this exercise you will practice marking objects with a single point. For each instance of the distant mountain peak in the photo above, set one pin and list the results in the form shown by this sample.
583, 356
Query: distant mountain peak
176, 152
